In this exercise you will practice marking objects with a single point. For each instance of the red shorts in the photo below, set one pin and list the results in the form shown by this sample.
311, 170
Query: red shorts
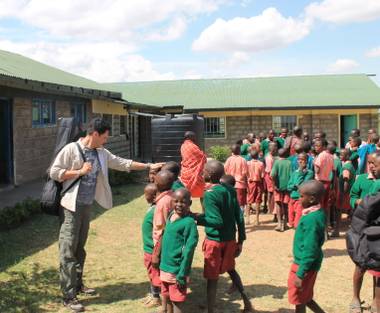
343, 201
153, 273
241, 196
305, 294
172, 291
325, 200
268, 182
281, 196
255, 192
219, 257
295, 212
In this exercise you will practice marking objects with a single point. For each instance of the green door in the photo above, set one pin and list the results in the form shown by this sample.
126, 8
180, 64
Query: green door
347, 123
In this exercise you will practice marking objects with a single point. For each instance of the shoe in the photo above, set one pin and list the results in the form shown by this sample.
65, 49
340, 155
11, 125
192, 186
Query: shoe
153, 302
74, 305
87, 291
147, 298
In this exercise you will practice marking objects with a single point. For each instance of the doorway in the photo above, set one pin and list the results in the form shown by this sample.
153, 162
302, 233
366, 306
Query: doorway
6, 142
347, 123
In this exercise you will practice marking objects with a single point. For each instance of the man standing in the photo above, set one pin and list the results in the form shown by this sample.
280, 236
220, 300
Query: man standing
295, 139
89, 160
193, 161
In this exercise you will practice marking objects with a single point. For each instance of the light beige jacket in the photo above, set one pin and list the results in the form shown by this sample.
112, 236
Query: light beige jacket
69, 158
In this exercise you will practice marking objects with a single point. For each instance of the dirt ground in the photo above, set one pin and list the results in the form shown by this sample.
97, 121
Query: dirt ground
29, 280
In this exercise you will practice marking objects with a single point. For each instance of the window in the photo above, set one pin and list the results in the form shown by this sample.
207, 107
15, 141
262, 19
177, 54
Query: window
108, 119
215, 127
43, 112
288, 121
78, 110
123, 124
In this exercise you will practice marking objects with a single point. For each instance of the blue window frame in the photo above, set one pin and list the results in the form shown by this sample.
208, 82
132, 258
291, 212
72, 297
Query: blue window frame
79, 111
43, 112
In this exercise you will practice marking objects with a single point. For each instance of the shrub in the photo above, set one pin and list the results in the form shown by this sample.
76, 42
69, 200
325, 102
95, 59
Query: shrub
220, 153
11, 217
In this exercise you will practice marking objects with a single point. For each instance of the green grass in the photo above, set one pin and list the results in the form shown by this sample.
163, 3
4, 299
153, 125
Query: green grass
29, 280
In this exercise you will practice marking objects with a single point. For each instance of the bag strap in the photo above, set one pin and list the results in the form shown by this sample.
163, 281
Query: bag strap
79, 178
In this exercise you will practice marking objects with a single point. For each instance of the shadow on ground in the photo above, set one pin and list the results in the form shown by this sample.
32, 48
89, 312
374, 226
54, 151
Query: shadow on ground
42, 230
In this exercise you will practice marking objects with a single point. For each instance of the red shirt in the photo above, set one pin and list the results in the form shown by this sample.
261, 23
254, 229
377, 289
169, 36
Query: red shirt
237, 167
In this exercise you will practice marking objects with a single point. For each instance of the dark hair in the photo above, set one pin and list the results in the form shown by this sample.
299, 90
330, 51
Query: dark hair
375, 139
228, 179
173, 167
98, 125
357, 140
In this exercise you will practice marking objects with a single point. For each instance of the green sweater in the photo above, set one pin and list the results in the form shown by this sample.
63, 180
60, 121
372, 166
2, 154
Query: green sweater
178, 244
375, 188
281, 171
147, 229
360, 189
177, 185
354, 158
297, 178
222, 214
347, 167
264, 146
308, 241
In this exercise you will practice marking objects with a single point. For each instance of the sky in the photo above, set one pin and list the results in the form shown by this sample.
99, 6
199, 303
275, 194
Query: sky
143, 40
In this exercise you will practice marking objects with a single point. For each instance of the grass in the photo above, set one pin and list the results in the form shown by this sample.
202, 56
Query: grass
29, 280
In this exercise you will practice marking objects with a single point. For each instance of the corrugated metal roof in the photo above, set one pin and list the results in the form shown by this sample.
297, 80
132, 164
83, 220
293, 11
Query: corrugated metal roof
18, 66
255, 93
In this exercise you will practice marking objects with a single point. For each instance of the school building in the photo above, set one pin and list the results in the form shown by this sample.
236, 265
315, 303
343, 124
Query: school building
233, 107
33, 96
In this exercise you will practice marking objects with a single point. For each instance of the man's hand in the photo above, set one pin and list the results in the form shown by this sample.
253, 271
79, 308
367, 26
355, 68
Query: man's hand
156, 166
298, 282
239, 249
86, 168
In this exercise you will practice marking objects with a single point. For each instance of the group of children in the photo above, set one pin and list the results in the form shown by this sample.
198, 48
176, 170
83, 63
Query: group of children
305, 184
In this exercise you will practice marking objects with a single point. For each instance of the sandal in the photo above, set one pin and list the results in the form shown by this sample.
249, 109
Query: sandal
355, 308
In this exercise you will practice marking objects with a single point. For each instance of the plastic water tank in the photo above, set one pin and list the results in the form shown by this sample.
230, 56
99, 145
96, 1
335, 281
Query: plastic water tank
168, 135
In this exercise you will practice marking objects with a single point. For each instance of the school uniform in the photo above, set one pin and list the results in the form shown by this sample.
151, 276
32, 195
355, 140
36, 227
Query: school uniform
147, 228
237, 167
280, 174
163, 207
255, 181
178, 244
307, 253
343, 198
222, 215
325, 162
269, 161
297, 178
361, 188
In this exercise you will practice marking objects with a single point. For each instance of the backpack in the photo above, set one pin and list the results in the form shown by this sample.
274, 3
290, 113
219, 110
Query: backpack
363, 238
68, 131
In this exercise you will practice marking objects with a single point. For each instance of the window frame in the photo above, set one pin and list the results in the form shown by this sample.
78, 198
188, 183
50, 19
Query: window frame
219, 135
39, 104
283, 124
74, 105
111, 130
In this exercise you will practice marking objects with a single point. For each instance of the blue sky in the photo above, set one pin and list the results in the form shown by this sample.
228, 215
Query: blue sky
114, 40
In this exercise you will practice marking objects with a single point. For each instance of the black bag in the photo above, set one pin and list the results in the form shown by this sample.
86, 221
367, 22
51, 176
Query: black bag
52, 192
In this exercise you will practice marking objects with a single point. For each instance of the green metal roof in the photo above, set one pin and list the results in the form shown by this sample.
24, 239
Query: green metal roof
255, 93
18, 66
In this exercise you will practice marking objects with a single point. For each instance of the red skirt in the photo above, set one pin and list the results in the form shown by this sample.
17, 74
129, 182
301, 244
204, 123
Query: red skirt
304, 294
255, 192
241, 196
268, 182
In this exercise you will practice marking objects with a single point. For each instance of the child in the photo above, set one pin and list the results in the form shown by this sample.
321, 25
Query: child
255, 184
174, 168
164, 181
307, 248
178, 245
269, 161
345, 181
280, 175
153, 298
221, 217
298, 148
354, 155
297, 178
323, 166
152, 175
365, 151
359, 190
236, 166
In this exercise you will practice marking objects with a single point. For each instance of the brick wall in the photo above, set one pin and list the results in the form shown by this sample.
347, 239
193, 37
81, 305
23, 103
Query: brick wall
366, 122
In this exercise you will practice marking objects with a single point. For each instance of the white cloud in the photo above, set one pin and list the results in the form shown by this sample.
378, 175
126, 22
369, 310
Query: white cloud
373, 53
174, 31
268, 30
103, 62
341, 66
344, 11
237, 59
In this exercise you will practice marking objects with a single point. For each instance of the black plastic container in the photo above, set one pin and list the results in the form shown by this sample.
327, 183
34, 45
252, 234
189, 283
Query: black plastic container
168, 135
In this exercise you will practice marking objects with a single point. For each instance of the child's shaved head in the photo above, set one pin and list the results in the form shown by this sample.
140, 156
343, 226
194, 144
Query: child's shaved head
150, 192
173, 167
282, 153
235, 148
228, 180
164, 180
213, 171
183, 193
313, 188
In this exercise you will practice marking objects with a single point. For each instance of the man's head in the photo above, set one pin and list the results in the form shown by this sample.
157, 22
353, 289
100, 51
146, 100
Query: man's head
150, 192
355, 142
297, 131
98, 129
271, 134
213, 171
251, 137
355, 132
172, 167
284, 132
228, 180
181, 201
311, 193
190, 135
235, 149
164, 180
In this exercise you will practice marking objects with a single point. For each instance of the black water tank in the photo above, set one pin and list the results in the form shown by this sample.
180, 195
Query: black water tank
168, 135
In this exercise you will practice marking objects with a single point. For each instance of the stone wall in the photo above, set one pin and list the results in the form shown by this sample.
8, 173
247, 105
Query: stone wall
366, 122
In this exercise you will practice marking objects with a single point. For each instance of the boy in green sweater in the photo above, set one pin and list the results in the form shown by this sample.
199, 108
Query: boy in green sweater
297, 178
307, 248
174, 168
280, 174
178, 244
153, 298
222, 215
